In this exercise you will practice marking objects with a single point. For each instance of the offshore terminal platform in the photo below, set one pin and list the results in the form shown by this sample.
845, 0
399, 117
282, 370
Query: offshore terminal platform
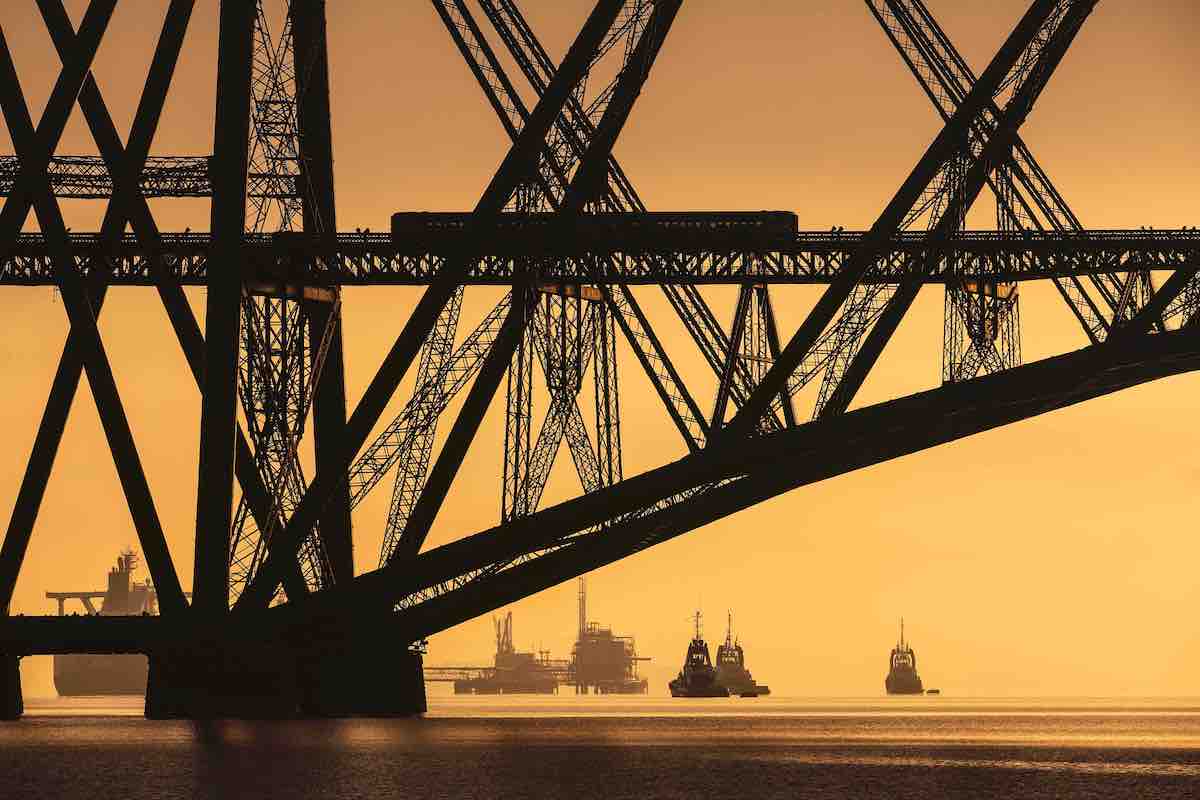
600, 663
281, 622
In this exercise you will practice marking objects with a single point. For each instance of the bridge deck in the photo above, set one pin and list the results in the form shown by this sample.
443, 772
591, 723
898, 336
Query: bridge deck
81, 633
363, 259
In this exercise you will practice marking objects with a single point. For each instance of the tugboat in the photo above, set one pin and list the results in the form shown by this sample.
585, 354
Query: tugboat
697, 678
902, 673
731, 668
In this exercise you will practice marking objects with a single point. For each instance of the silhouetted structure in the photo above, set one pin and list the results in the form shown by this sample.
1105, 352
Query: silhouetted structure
83, 674
602, 662
514, 672
271, 341
731, 667
902, 677
697, 677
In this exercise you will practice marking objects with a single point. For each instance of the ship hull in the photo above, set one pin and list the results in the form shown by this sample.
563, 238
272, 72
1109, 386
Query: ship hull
680, 689
904, 685
100, 675
741, 684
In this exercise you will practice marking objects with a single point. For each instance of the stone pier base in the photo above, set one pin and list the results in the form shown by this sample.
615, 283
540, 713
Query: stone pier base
361, 678
338, 677
219, 681
12, 703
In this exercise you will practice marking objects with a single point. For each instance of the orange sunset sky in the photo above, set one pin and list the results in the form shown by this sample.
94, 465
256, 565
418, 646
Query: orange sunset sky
1053, 557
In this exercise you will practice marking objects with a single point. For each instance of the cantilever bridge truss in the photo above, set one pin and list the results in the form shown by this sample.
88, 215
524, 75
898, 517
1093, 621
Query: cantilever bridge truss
274, 544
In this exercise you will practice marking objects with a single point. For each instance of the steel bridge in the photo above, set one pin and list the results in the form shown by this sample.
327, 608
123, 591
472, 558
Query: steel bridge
280, 622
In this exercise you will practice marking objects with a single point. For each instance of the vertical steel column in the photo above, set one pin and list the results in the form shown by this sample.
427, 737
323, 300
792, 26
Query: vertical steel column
608, 409
311, 49
512, 170
214, 501
518, 419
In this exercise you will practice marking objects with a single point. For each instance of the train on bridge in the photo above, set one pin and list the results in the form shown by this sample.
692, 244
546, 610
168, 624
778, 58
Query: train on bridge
516, 233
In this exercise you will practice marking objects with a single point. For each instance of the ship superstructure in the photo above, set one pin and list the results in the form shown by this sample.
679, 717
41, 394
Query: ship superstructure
731, 667
697, 678
81, 675
902, 675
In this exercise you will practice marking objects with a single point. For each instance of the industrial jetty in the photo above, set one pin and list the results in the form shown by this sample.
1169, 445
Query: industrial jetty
731, 667
84, 675
902, 677
513, 672
601, 663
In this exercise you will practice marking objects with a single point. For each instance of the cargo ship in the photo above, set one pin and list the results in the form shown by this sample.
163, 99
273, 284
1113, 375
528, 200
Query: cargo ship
697, 678
731, 668
84, 675
902, 675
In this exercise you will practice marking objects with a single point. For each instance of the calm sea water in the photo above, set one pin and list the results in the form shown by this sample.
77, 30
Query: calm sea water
606, 747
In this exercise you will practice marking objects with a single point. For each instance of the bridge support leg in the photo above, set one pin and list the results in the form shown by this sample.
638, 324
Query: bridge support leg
326, 676
222, 680
12, 704
361, 677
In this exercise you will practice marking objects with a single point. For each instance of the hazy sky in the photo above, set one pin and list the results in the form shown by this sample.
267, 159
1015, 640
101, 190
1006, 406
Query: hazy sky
1051, 557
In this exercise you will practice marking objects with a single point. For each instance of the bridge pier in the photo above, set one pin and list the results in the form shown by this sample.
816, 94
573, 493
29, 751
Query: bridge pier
361, 677
331, 677
12, 703
222, 680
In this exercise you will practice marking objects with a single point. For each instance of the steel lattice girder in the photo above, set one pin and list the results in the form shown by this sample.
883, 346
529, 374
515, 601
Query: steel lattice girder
365, 259
88, 178
493, 199
816, 258
780, 462
808, 453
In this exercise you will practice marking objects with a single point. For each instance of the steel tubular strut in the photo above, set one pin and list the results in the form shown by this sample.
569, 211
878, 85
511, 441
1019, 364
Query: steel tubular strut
1048, 59
223, 308
779, 463
954, 77
687, 302
315, 145
35, 147
70, 366
563, 418
578, 194
129, 202
943, 147
1049, 55
416, 329
428, 400
645, 344
1013, 402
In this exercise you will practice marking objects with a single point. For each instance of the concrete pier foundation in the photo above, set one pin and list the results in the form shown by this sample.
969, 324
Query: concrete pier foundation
323, 677
361, 678
12, 703
221, 681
